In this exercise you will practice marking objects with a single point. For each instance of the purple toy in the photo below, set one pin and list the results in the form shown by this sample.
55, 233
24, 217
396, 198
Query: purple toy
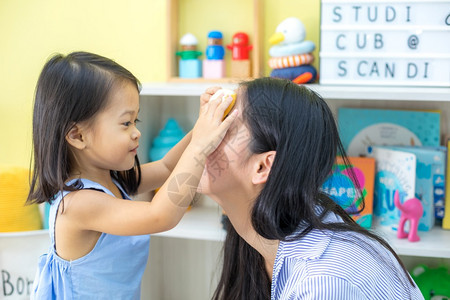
411, 210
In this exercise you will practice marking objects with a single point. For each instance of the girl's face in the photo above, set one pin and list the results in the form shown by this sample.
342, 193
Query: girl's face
113, 138
226, 169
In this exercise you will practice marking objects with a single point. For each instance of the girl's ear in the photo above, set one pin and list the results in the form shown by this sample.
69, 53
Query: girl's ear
263, 166
75, 138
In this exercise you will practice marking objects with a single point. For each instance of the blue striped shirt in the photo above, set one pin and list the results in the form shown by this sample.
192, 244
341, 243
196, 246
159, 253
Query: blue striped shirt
327, 265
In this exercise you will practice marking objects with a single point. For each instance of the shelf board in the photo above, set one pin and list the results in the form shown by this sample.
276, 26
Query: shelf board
199, 223
433, 243
42, 233
203, 223
326, 91
180, 88
382, 93
224, 80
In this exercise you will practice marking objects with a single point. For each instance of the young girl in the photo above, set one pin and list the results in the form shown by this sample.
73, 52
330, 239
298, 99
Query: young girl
287, 239
85, 165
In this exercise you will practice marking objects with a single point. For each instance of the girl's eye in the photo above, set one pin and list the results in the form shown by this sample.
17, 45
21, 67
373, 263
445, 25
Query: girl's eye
129, 122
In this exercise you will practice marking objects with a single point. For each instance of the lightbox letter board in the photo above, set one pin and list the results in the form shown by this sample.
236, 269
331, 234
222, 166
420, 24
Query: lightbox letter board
394, 43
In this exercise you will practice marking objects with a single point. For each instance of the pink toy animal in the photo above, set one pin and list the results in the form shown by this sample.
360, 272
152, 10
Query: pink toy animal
411, 210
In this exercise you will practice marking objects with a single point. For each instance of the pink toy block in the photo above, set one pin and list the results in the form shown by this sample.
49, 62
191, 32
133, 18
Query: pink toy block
213, 68
411, 210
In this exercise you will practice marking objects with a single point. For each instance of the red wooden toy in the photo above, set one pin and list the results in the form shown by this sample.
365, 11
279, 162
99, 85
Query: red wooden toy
239, 46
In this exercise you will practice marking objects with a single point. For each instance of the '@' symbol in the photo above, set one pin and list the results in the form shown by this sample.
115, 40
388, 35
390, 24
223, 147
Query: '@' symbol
413, 41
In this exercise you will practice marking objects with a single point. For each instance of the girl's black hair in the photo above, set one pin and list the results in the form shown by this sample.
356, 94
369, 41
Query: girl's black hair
71, 89
298, 124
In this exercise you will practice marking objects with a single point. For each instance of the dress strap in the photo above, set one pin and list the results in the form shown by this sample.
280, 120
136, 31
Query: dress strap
83, 184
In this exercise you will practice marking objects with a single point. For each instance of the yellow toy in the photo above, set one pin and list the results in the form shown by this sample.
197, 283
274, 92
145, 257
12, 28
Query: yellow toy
224, 93
14, 214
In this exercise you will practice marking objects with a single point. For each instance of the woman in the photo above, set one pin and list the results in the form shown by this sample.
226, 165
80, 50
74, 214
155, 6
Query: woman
287, 239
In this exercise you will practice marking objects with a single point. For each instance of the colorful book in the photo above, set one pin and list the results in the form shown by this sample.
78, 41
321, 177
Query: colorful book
430, 179
360, 128
395, 170
446, 219
341, 187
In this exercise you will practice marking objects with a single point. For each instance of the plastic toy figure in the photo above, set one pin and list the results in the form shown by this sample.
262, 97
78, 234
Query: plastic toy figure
189, 65
188, 45
240, 63
214, 65
239, 46
411, 210
215, 50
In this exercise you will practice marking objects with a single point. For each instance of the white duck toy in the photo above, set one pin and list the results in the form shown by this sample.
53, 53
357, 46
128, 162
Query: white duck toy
289, 39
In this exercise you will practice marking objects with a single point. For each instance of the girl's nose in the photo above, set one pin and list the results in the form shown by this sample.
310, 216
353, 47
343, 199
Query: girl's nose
136, 134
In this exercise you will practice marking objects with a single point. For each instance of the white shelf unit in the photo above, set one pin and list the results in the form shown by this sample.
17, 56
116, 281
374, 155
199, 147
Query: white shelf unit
326, 91
203, 223
184, 262
189, 255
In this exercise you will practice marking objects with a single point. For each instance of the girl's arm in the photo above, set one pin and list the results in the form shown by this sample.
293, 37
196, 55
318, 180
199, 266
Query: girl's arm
154, 174
97, 211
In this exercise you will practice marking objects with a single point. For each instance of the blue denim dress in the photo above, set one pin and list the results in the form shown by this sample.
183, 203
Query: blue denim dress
112, 270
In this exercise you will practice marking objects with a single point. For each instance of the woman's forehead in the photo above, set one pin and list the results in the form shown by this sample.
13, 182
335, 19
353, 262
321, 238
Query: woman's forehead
240, 94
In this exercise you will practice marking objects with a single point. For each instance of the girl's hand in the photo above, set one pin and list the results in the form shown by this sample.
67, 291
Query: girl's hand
204, 98
210, 129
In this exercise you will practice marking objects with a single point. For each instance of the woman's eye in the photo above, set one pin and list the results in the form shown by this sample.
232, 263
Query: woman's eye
126, 124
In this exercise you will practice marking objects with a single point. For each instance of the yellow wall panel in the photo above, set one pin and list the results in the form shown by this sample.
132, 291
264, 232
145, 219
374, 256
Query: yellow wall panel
131, 32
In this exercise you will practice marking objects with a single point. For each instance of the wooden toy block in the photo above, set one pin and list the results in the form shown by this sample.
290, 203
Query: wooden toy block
213, 68
240, 68
190, 68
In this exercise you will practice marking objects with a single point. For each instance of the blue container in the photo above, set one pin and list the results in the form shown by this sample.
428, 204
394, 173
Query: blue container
168, 137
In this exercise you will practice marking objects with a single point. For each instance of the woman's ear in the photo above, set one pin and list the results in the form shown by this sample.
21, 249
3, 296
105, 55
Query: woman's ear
75, 137
263, 167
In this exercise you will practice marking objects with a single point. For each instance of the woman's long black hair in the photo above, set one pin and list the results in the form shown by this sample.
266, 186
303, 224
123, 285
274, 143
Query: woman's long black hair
298, 124
71, 89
